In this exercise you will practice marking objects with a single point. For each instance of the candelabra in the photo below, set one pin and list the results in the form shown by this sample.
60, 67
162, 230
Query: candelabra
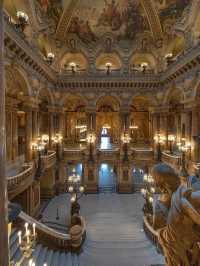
171, 140
27, 242
76, 189
159, 139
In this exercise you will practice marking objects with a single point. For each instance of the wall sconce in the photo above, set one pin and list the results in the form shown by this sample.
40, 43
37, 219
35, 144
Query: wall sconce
171, 139
50, 58
144, 66
108, 68
23, 20
168, 58
73, 66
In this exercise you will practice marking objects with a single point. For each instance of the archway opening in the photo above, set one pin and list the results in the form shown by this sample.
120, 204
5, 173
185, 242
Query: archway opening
107, 178
105, 139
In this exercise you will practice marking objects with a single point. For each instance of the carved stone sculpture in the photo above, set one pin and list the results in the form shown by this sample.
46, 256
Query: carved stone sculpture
177, 218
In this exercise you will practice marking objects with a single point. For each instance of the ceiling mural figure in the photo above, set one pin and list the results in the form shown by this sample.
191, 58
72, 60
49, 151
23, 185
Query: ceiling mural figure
170, 11
124, 19
50, 10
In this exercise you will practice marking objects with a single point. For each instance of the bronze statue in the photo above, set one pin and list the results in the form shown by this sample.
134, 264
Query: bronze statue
177, 218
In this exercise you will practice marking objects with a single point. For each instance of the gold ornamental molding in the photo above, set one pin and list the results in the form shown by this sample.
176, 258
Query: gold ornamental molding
65, 19
153, 18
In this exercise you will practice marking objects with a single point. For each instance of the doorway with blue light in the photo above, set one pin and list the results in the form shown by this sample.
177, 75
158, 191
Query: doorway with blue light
107, 178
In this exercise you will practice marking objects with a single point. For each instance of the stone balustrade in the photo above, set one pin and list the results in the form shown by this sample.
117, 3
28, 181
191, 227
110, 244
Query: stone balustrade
74, 153
20, 181
48, 160
172, 159
143, 154
151, 233
108, 155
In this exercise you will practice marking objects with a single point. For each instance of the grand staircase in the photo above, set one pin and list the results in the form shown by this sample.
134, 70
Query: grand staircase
41, 255
115, 236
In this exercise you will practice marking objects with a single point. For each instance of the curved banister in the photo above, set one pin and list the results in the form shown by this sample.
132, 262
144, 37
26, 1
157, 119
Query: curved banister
149, 227
44, 228
51, 236
28, 170
152, 234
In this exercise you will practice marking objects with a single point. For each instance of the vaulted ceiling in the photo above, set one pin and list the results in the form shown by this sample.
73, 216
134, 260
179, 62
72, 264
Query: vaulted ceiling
130, 24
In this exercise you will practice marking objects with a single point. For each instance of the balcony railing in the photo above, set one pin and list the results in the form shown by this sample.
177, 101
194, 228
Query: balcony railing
48, 160
142, 153
172, 159
20, 181
151, 234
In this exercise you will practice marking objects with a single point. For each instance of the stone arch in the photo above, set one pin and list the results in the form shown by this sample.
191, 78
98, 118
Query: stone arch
17, 82
138, 58
45, 94
174, 95
139, 119
108, 102
74, 103
78, 59
113, 58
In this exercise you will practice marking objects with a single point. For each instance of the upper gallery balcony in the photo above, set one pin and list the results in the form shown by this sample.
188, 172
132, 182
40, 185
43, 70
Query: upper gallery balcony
19, 179
172, 159
49, 159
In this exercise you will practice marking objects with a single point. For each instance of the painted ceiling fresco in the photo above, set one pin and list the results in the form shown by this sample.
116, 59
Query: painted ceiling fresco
124, 19
169, 12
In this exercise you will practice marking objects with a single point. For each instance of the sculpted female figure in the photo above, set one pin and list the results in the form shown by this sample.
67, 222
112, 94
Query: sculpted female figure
179, 216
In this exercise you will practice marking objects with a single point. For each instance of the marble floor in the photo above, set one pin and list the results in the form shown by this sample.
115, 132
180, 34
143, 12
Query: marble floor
114, 229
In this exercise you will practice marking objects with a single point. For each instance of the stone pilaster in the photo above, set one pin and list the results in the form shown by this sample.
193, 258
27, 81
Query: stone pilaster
4, 251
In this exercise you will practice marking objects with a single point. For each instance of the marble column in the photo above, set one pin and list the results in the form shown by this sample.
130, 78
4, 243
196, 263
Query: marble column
51, 128
28, 134
14, 134
4, 251
35, 124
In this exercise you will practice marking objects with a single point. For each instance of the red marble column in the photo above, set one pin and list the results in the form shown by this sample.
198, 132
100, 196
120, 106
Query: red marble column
4, 251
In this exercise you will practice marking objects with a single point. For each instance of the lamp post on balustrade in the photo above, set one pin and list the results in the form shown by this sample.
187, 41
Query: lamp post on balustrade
159, 139
39, 147
184, 147
57, 140
148, 193
171, 140
76, 189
